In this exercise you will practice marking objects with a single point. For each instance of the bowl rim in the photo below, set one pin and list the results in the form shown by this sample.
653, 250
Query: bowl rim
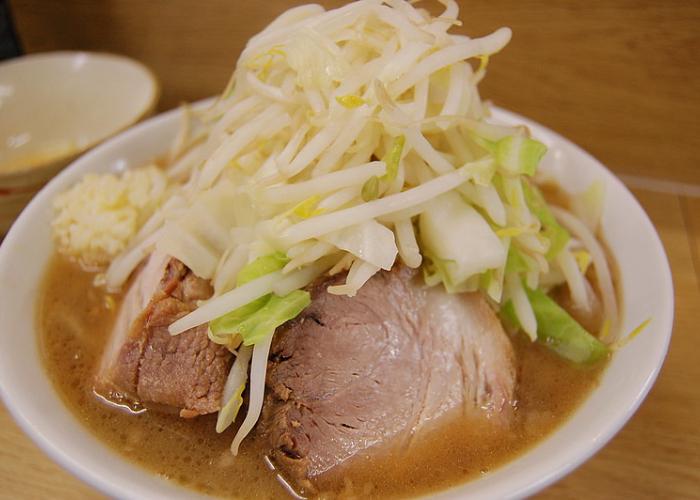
49, 165
576, 455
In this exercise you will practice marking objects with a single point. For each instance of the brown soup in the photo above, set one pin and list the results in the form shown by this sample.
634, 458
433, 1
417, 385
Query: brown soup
76, 319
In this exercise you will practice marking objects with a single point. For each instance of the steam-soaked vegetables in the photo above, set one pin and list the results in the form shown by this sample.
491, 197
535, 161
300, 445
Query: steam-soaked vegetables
347, 139
558, 330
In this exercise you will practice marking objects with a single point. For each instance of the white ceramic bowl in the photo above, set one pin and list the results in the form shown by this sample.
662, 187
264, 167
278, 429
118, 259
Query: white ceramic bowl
55, 106
645, 281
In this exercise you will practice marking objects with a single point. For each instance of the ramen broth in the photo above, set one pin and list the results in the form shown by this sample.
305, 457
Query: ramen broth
75, 321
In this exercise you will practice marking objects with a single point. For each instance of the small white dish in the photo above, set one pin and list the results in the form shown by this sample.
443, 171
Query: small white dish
55, 106
645, 280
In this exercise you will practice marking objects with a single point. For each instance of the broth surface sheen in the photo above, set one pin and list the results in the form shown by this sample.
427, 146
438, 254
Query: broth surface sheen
75, 321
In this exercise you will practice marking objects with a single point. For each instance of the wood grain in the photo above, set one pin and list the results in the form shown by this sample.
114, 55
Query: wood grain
691, 213
26, 473
619, 78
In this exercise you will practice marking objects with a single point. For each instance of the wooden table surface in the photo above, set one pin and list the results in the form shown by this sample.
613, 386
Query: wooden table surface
620, 78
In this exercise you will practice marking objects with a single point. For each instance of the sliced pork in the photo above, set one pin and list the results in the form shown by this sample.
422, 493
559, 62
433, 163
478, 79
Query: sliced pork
350, 374
144, 363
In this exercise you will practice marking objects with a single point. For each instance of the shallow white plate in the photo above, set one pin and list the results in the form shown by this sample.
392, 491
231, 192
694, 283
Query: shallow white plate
56, 105
646, 290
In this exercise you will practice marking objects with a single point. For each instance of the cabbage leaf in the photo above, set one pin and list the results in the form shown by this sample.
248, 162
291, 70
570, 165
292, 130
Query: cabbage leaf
275, 312
259, 318
369, 240
557, 330
558, 236
458, 241
517, 154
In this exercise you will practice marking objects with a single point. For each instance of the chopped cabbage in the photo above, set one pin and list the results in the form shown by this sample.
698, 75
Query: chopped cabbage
561, 333
370, 241
516, 295
262, 316
358, 275
517, 154
262, 266
226, 325
557, 330
558, 236
435, 271
229, 411
516, 263
232, 397
459, 240
263, 322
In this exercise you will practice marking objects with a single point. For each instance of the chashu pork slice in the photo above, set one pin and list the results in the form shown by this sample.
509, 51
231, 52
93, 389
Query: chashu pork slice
352, 374
143, 363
